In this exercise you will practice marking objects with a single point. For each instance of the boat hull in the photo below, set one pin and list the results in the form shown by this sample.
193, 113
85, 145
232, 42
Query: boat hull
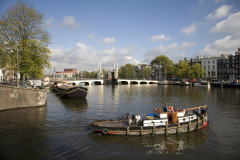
121, 127
71, 92
202, 84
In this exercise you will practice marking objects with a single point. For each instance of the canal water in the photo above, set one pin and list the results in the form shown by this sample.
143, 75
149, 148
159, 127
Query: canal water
59, 129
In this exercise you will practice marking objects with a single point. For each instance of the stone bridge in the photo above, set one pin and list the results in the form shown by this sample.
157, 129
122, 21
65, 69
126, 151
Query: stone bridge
136, 81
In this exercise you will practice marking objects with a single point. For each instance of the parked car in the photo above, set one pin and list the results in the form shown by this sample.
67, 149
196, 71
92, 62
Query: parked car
36, 84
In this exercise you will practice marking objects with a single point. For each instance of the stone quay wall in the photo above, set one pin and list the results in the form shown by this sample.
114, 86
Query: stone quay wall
15, 97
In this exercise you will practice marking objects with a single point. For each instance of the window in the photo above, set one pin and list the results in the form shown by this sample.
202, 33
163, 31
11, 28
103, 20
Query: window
208, 67
208, 73
213, 66
213, 61
204, 62
208, 62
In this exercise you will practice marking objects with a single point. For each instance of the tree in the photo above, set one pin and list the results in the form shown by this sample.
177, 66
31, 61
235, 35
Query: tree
24, 40
104, 71
182, 70
167, 65
196, 71
121, 72
145, 72
76, 75
86, 74
93, 75
129, 71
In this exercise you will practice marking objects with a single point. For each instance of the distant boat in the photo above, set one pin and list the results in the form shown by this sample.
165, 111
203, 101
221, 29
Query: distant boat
183, 83
163, 83
203, 84
71, 91
160, 123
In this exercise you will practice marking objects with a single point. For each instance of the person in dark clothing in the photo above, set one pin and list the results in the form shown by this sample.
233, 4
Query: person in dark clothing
165, 108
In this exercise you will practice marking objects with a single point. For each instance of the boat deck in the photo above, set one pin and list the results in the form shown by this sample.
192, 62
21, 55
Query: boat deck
112, 123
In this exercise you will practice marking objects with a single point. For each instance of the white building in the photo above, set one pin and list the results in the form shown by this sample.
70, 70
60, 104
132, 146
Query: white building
209, 65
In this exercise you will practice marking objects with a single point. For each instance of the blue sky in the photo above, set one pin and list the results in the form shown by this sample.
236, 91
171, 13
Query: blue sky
136, 31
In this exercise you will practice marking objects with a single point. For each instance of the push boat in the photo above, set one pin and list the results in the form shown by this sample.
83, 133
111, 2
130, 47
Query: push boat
70, 91
179, 121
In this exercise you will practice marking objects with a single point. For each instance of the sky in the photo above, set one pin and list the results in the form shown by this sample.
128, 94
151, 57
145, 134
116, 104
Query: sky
85, 32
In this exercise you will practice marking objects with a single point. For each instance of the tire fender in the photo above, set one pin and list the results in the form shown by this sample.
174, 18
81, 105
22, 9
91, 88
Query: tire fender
105, 131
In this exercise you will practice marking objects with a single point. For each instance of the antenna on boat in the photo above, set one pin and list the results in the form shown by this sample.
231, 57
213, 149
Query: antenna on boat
138, 111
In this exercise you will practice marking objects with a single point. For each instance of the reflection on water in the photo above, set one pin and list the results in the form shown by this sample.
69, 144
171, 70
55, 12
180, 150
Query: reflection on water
160, 144
79, 105
59, 130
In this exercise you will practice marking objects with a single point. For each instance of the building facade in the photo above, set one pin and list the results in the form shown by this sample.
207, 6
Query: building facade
237, 65
67, 73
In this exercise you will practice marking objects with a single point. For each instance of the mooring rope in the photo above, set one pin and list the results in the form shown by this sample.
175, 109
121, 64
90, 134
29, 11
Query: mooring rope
62, 92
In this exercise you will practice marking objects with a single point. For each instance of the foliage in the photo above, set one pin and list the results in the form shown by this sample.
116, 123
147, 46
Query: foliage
92, 75
145, 72
121, 72
127, 71
85, 74
104, 71
65, 75
76, 75
196, 71
182, 70
24, 41
167, 65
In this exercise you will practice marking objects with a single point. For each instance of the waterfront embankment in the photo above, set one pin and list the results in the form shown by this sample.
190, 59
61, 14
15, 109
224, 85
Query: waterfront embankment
16, 97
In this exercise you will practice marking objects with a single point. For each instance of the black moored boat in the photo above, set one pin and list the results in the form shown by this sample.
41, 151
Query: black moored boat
162, 123
71, 92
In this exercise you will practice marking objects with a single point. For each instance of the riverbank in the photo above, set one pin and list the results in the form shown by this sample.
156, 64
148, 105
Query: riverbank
16, 97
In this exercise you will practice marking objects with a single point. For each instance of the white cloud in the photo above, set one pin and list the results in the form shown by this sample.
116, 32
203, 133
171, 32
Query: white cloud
229, 25
49, 22
222, 11
108, 40
128, 50
227, 45
190, 29
216, 1
70, 22
91, 36
109, 51
172, 51
157, 37
185, 44
83, 57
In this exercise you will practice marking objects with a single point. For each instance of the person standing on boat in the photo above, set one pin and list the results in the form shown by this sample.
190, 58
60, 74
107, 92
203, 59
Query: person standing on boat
165, 108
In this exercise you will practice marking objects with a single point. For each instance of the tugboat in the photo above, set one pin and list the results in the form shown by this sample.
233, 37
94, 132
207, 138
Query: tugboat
175, 122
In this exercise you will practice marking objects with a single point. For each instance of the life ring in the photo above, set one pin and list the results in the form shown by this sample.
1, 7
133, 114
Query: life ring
105, 131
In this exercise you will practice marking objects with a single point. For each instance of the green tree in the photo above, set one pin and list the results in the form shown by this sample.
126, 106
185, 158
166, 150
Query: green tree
182, 70
145, 72
86, 74
65, 75
93, 75
76, 75
167, 68
25, 41
129, 71
121, 72
196, 71
104, 71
